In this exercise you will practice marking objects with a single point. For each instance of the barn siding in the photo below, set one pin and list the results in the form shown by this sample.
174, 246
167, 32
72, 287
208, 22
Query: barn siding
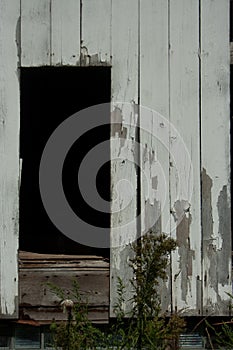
154, 123
96, 32
65, 32
35, 33
185, 163
215, 156
123, 149
172, 58
9, 156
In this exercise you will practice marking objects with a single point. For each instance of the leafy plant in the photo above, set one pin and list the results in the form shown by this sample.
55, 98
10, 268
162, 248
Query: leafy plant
223, 336
144, 327
148, 328
77, 332
223, 332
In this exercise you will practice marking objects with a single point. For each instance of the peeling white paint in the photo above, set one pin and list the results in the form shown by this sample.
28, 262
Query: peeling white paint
215, 126
185, 174
9, 158
155, 60
124, 36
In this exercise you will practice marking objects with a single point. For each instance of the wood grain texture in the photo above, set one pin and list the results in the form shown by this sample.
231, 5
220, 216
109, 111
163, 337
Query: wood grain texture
9, 157
44, 315
185, 155
154, 124
65, 29
96, 33
38, 302
35, 33
215, 150
123, 148
94, 286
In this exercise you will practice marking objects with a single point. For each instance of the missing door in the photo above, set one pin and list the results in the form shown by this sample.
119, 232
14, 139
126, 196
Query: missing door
49, 95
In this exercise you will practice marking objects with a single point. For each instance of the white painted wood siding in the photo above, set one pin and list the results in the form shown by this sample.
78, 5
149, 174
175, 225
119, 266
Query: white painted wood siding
35, 33
172, 57
9, 156
185, 155
123, 149
65, 32
154, 124
96, 32
215, 153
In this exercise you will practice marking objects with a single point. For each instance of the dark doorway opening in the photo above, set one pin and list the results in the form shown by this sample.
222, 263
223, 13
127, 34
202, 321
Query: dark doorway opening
49, 95
231, 104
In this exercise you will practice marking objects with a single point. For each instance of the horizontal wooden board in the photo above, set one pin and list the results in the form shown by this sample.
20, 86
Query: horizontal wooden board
37, 300
44, 315
34, 291
28, 260
36, 256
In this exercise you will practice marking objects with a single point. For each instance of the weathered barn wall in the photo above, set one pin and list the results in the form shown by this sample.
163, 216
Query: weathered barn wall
172, 58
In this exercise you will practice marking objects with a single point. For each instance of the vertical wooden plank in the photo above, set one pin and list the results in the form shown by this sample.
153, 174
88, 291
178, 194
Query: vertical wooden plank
185, 155
35, 32
154, 124
96, 32
65, 28
9, 157
123, 148
215, 150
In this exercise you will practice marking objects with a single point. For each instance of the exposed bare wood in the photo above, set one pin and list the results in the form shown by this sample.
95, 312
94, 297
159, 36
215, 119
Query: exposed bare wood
215, 150
125, 77
181, 74
9, 155
56, 257
185, 156
45, 315
36, 294
154, 124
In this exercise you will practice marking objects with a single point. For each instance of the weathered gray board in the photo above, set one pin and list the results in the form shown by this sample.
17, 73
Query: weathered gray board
171, 56
9, 156
215, 157
38, 302
185, 156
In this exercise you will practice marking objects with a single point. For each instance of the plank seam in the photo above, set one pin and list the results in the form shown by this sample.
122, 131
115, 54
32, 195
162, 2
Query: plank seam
80, 47
139, 226
200, 150
50, 32
169, 145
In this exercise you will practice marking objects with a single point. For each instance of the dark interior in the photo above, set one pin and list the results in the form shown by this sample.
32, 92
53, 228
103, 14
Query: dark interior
49, 95
231, 93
